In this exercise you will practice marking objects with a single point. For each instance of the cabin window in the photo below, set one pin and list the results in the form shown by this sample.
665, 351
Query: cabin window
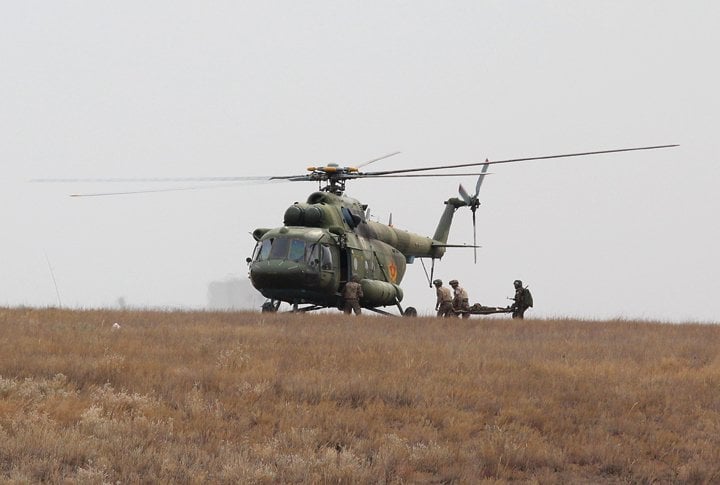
326, 259
351, 219
297, 250
256, 251
263, 249
279, 248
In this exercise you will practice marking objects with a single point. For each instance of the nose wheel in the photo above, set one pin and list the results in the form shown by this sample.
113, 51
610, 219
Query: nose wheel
270, 306
410, 312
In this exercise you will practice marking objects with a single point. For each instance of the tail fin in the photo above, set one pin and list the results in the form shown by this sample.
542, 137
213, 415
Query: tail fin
442, 232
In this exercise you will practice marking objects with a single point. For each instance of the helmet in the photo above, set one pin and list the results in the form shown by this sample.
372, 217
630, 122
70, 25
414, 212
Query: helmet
437, 282
517, 283
453, 282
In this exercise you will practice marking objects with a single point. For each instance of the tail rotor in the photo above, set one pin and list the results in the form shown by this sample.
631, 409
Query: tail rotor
473, 202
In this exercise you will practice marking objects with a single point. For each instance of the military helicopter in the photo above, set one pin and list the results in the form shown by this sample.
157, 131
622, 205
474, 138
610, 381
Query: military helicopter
329, 239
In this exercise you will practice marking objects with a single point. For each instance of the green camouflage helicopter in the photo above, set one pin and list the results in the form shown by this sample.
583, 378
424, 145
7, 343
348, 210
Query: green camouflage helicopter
329, 239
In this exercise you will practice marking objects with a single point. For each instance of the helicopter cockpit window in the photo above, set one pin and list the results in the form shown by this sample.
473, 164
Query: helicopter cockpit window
262, 250
326, 257
256, 251
279, 249
297, 250
348, 217
312, 254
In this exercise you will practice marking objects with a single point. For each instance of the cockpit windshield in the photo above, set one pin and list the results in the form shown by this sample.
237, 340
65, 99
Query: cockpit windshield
292, 249
297, 250
279, 248
263, 250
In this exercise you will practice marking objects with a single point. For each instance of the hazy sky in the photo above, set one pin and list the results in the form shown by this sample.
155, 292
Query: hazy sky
179, 88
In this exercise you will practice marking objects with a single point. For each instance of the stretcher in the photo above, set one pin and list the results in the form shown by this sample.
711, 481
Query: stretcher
478, 309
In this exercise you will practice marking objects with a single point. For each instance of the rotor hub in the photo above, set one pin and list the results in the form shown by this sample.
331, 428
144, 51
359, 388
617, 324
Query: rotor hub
334, 177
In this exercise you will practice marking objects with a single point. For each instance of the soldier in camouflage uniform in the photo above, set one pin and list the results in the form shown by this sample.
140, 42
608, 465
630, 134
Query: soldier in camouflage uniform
461, 302
351, 296
523, 300
443, 305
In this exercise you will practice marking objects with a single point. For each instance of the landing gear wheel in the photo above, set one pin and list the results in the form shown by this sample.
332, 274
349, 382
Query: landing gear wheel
270, 306
410, 312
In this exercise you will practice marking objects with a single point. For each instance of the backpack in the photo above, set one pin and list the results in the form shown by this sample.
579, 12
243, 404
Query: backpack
527, 298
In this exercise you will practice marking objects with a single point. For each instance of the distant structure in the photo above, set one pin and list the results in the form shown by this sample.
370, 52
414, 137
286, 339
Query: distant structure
233, 293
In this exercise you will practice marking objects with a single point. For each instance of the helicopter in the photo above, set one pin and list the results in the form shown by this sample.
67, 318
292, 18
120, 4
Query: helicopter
327, 240
330, 239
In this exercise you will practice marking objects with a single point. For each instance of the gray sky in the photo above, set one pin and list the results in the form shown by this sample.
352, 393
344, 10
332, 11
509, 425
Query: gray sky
178, 88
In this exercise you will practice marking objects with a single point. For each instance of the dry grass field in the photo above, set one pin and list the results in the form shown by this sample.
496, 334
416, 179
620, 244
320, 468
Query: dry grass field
254, 398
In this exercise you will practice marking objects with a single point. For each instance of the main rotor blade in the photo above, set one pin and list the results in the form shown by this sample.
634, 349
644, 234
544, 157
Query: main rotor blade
377, 159
512, 160
152, 191
363, 175
159, 179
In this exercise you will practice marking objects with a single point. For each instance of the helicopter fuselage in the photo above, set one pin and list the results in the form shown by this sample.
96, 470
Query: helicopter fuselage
325, 242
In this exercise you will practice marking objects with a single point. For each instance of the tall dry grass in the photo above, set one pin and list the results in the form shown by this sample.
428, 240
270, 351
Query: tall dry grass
257, 398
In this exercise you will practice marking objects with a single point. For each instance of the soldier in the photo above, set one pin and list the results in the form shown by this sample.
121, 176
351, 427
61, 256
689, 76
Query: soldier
351, 295
461, 302
444, 300
523, 300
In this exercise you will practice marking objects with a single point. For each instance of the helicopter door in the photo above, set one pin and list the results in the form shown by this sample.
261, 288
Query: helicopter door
345, 259
350, 262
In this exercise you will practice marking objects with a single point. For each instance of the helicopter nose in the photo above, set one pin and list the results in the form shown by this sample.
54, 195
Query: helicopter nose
281, 275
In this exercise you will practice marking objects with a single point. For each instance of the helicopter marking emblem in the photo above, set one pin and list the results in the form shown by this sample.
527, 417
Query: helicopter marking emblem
392, 269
